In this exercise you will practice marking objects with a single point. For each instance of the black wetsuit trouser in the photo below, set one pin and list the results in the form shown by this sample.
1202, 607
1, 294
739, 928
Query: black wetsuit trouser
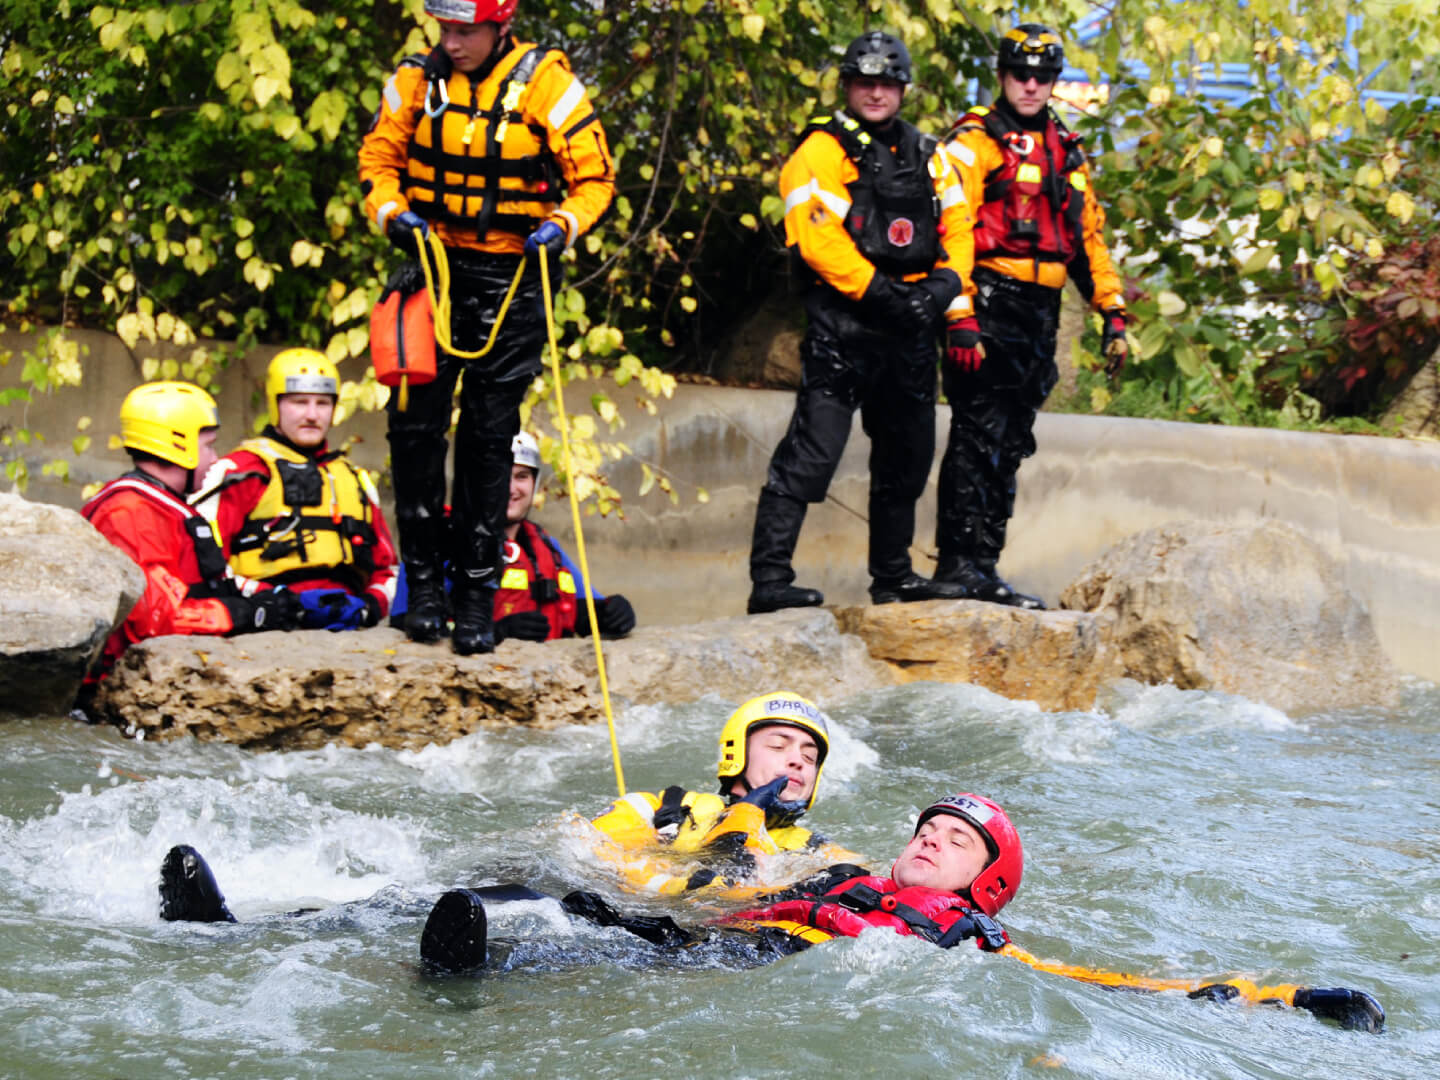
490, 396
850, 362
992, 416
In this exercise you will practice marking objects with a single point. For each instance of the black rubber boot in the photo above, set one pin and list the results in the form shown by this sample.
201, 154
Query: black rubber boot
188, 892
1002, 592
425, 610
980, 582
474, 618
1353, 1010
914, 587
454, 934
768, 596
963, 572
778, 519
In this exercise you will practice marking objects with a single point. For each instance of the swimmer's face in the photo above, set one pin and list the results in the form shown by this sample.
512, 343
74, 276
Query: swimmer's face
946, 853
777, 750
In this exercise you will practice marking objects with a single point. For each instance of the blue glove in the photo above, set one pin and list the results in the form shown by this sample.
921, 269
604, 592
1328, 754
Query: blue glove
332, 609
400, 230
778, 812
767, 795
550, 236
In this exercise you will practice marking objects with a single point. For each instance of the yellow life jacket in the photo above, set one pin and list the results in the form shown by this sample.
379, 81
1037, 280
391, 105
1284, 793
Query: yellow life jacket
316, 513
473, 160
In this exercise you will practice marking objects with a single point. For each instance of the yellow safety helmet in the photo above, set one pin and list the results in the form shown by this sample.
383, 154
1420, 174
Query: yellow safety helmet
164, 419
299, 371
779, 707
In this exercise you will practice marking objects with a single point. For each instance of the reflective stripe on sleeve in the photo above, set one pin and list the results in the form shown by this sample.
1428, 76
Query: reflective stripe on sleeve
392, 95
961, 151
573, 95
805, 192
954, 196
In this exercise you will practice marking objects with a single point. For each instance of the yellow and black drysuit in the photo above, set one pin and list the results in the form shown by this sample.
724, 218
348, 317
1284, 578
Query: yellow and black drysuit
485, 158
643, 831
865, 212
1033, 222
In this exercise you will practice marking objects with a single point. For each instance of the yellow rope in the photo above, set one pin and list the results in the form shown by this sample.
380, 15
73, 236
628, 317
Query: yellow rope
438, 287
575, 514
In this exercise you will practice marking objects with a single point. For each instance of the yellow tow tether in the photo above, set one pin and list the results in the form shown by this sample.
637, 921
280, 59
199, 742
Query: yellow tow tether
574, 508
437, 287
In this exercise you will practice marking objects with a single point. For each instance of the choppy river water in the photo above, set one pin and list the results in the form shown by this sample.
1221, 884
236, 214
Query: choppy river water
1167, 833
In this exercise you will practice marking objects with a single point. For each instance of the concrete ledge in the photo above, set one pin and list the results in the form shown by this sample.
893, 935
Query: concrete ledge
1370, 502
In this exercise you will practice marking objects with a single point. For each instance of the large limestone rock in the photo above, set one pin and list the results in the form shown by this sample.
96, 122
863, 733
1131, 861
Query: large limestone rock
306, 689
1258, 610
1057, 659
63, 587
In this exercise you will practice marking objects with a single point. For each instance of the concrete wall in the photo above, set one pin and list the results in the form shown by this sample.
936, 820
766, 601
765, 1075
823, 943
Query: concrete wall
1094, 481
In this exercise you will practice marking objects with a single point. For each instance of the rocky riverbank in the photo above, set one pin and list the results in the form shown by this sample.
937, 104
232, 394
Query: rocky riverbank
1258, 610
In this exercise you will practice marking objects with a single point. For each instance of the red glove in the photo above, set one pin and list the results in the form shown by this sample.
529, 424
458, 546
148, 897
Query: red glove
962, 344
1112, 340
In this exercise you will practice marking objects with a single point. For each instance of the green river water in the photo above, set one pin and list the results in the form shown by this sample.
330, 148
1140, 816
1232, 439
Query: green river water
1167, 833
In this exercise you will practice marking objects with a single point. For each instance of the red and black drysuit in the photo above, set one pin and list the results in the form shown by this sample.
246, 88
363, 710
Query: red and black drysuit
1036, 222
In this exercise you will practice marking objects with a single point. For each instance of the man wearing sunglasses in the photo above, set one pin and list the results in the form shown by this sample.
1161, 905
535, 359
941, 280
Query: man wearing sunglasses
1036, 223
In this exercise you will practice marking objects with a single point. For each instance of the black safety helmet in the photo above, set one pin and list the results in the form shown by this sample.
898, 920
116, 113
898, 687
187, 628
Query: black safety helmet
1031, 49
877, 55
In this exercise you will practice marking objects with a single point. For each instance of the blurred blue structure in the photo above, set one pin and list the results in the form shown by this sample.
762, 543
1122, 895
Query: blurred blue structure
1232, 83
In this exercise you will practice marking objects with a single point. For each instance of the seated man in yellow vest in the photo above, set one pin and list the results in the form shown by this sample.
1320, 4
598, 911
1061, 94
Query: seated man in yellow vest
772, 749
288, 509
537, 599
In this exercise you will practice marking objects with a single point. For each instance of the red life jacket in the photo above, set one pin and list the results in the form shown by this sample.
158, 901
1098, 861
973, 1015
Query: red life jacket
857, 904
202, 562
535, 580
1033, 202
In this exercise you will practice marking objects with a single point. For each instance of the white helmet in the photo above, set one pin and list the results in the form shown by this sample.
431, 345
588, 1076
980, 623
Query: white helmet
524, 450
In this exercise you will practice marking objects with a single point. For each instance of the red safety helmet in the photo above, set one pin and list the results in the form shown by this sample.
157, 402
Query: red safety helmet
472, 11
995, 886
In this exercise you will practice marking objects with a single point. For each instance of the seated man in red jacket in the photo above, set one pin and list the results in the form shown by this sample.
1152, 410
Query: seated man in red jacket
169, 429
290, 510
538, 599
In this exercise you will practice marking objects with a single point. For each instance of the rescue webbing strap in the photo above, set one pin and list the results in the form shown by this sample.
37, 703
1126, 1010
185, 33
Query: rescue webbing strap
507, 100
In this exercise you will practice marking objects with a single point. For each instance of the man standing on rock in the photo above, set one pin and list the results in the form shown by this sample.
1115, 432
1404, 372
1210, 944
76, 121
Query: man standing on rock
867, 199
169, 429
494, 144
289, 510
1036, 221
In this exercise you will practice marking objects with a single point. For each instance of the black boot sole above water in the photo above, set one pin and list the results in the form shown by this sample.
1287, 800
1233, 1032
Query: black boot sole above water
454, 935
188, 892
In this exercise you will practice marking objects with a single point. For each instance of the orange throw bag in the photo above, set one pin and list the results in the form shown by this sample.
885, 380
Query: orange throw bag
402, 337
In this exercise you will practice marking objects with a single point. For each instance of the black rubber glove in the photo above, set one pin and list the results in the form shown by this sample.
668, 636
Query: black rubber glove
767, 795
272, 609
1112, 340
400, 231
523, 626
616, 616
1353, 1010
942, 286
909, 309
372, 612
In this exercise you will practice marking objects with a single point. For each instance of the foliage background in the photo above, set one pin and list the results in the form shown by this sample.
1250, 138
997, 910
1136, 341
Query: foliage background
185, 175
